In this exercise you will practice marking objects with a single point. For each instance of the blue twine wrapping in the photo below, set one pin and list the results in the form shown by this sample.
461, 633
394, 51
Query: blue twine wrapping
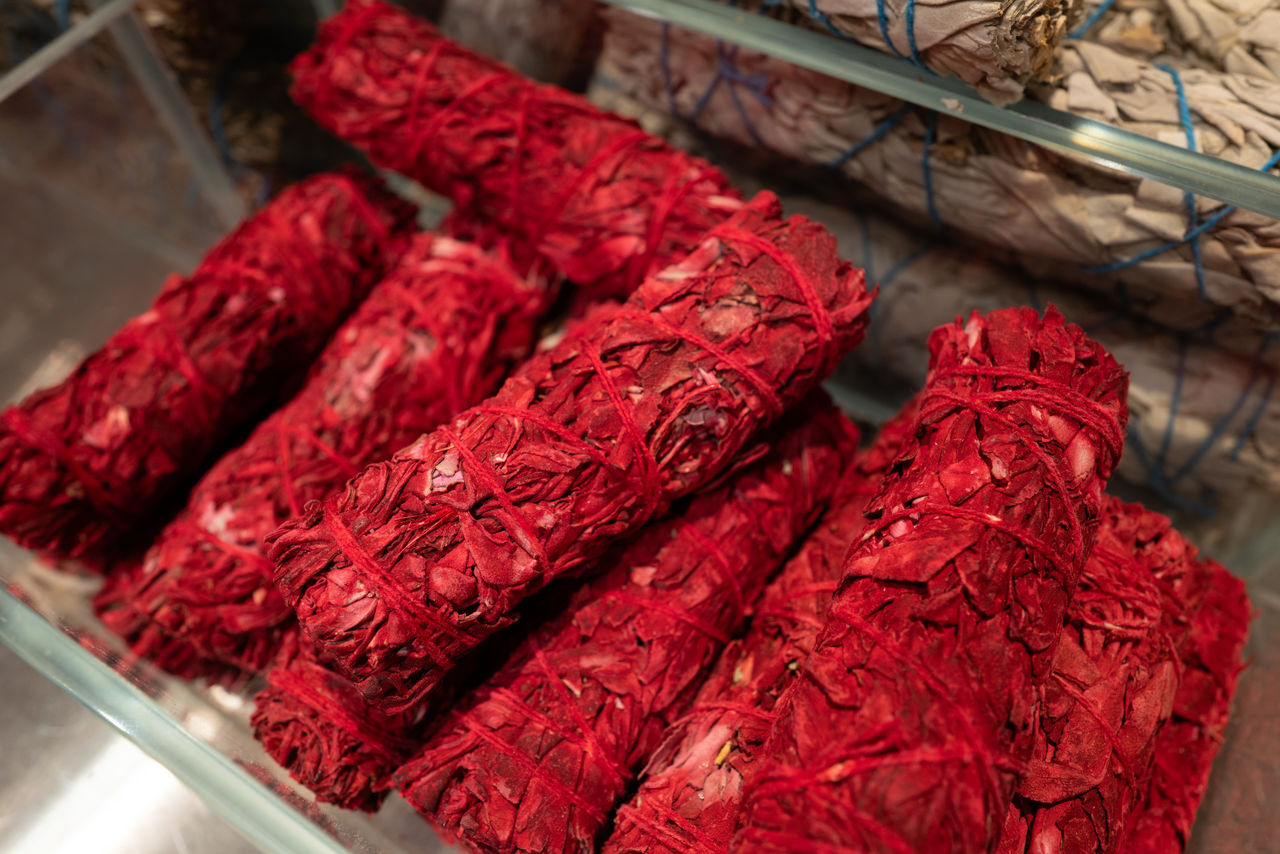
62, 14
821, 17
1188, 198
1088, 23
727, 72
1175, 400
1207, 225
930, 131
876, 133
1251, 426
882, 19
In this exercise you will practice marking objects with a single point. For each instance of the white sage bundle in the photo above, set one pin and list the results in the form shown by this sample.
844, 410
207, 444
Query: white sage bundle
996, 47
1238, 37
1182, 264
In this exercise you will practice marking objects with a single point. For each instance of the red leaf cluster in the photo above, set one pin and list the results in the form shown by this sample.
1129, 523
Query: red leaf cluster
425, 556
604, 202
537, 758
92, 458
690, 797
439, 333
911, 720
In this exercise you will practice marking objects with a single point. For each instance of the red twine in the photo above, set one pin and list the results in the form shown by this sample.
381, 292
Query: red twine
469, 540
538, 756
606, 204
90, 460
944, 627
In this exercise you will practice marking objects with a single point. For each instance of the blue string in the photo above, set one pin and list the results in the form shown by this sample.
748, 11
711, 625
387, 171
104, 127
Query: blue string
882, 17
911, 35
930, 131
1200, 229
906, 262
1158, 482
727, 72
876, 133
820, 16
1189, 199
1251, 426
664, 56
62, 14
1079, 31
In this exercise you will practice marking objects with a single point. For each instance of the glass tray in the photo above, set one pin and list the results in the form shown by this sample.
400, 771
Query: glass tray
90, 231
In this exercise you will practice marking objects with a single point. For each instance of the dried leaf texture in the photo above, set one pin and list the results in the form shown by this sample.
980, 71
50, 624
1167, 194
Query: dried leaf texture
537, 758
1060, 218
1115, 674
694, 780
995, 47
438, 334
910, 721
1210, 656
604, 202
425, 556
315, 724
86, 461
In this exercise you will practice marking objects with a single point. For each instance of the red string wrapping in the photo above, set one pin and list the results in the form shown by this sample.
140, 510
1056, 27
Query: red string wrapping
604, 202
87, 461
327, 736
440, 332
689, 799
909, 723
1215, 624
425, 556
1115, 673
538, 756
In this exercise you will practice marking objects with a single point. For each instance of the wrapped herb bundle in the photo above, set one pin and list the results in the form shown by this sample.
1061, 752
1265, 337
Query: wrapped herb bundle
605, 203
1115, 673
1209, 653
537, 757
909, 722
1204, 422
87, 461
315, 724
438, 334
425, 556
694, 780
1238, 38
995, 47
1061, 218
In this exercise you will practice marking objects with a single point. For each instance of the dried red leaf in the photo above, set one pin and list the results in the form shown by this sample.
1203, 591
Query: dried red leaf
911, 719
92, 458
423, 557
1115, 674
316, 725
604, 202
537, 757
694, 780
1209, 652
438, 334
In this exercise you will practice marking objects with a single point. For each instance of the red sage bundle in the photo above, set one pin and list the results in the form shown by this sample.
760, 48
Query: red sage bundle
604, 202
537, 758
912, 718
1112, 689
439, 333
316, 724
1216, 623
91, 459
694, 780
425, 556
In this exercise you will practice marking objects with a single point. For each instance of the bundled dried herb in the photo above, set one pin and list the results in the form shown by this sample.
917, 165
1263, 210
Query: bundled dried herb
423, 557
1209, 653
435, 336
910, 720
536, 758
318, 726
606, 203
694, 780
315, 724
88, 460
1115, 673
